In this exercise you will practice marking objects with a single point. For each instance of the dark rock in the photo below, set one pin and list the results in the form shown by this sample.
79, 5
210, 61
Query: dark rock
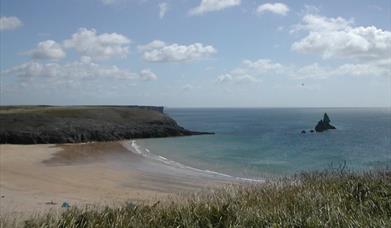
324, 125
303, 132
50, 203
312, 131
65, 205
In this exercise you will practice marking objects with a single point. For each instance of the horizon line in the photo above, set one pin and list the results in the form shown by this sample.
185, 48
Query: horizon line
194, 107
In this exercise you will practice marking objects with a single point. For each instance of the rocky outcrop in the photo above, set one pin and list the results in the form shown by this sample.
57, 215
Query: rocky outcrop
53, 124
324, 125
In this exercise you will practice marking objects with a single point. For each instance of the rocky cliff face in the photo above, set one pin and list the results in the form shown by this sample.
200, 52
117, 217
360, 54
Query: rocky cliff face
48, 124
324, 124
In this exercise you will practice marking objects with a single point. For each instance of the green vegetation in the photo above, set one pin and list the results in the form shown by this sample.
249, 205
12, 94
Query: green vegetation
320, 199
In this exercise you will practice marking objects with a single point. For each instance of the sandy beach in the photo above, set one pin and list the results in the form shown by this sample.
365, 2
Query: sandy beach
37, 178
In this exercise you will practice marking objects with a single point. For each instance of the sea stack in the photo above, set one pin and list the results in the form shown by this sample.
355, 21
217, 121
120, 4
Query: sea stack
324, 125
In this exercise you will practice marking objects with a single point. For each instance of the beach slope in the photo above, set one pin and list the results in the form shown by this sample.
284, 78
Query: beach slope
36, 178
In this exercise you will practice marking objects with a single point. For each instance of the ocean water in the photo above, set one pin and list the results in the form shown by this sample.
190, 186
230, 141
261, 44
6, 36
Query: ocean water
265, 142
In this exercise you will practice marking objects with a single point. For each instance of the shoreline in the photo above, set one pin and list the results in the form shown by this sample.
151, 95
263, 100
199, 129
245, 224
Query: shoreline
40, 177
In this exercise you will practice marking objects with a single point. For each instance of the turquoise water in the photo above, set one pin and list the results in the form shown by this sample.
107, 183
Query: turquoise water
265, 142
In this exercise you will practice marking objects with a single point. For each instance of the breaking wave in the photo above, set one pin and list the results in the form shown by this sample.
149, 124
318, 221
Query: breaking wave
146, 153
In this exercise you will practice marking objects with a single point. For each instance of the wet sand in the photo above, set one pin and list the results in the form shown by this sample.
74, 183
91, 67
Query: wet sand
36, 178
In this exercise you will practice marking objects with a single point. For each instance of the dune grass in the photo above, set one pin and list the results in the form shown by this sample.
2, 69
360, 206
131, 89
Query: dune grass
316, 199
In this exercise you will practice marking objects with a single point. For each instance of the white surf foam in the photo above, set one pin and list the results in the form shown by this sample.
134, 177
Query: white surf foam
145, 152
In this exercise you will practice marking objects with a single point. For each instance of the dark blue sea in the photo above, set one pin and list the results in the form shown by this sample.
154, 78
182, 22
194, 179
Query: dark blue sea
265, 142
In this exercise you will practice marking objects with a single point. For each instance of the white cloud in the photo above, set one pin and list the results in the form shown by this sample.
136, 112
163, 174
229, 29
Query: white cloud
309, 9
237, 79
73, 72
371, 68
251, 71
85, 59
108, 2
336, 37
91, 47
224, 78
315, 71
163, 8
311, 71
147, 75
277, 8
99, 47
187, 87
262, 66
48, 49
159, 51
152, 45
254, 71
314, 22
213, 5
9, 23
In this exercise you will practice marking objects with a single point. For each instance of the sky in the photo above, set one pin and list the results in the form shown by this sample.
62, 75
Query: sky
196, 53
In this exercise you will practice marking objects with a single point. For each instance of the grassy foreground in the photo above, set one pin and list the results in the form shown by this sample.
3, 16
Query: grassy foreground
321, 199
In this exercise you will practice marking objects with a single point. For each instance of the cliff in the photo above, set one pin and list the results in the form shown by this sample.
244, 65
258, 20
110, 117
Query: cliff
73, 124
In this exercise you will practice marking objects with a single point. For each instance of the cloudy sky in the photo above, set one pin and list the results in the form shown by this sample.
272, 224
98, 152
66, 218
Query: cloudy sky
196, 53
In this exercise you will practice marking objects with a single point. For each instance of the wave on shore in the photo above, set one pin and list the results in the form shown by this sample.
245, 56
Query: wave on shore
146, 153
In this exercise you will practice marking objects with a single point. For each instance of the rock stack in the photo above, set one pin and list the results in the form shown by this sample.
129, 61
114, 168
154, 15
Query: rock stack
324, 125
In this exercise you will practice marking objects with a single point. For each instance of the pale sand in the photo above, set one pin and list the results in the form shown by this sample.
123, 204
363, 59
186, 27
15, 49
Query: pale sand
31, 176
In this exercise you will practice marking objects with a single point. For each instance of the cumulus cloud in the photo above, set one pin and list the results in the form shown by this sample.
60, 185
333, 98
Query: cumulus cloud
159, 51
147, 75
277, 8
91, 47
337, 37
163, 8
48, 49
99, 47
213, 5
9, 23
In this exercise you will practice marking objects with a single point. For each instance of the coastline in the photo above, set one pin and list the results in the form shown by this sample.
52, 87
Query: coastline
39, 178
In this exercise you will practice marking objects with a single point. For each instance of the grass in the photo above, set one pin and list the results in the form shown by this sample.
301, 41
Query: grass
317, 199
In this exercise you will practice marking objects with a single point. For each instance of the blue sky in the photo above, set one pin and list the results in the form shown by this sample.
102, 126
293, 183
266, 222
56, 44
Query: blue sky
196, 53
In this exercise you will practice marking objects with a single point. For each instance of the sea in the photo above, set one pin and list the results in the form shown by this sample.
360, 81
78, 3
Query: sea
259, 143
